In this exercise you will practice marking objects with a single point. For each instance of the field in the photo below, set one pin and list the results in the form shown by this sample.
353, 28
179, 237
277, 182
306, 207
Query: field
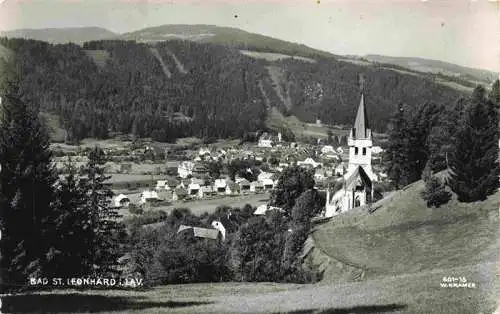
199, 207
300, 129
269, 56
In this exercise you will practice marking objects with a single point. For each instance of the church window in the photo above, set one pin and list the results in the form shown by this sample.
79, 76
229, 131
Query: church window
357, 201
355, 150
364, 150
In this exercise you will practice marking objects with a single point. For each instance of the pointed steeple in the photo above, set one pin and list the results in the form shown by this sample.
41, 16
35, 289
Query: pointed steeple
361, 128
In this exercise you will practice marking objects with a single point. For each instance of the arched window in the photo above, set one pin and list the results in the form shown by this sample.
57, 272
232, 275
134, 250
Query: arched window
355, 151
357, 201
364, 151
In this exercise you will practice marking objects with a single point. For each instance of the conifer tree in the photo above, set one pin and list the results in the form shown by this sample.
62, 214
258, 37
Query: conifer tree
108, 232
474, 162
396, 155
26, 187
494, 95
494, 98
75, 231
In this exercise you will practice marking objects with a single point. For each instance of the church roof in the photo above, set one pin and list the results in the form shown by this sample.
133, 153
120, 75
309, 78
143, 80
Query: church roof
361, 126
359, 172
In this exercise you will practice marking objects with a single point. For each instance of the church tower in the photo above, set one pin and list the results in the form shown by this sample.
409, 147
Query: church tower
360, 143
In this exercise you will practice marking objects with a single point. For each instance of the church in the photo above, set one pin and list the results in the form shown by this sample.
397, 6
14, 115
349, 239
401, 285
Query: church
357, 189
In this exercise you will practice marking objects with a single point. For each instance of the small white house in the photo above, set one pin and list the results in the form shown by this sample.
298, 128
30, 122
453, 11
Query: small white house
256, 186
263, 209
268, 184
208, 190
194, 190
264, 175
265, 141
244, 186
377, 150
327, 149
340, 170
148, 196
219, 226
122, 201
162, 185
319, 176
220, 185
204, 151
309, 162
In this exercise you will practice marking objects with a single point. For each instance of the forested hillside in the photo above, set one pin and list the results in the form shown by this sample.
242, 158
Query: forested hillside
183, 88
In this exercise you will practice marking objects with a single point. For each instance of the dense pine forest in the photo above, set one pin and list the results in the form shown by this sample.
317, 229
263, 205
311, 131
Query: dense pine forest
181, 88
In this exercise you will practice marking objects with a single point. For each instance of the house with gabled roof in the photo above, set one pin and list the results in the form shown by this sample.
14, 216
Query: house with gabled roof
121, 201
149, 196
198, 232
194, 190
256, 187
268, 184
265, 140
220, 186
208, 190
244, 186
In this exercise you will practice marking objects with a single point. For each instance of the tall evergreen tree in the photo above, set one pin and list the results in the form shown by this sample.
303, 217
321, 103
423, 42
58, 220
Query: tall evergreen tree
494, 97
474, 162
26, 186
396, 154
424, 145
75, 232
108, 232
495, 92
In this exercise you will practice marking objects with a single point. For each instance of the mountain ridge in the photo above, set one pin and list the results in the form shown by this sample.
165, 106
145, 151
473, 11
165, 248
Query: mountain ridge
236, 37
435, 66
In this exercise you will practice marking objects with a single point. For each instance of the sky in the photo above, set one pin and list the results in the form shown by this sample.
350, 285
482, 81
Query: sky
465, 32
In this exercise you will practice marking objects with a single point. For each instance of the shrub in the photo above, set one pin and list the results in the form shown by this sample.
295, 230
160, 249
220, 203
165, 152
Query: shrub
379, 188
135, 210
435, 193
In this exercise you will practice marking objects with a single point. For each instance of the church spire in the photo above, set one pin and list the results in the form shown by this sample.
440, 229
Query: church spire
361, 128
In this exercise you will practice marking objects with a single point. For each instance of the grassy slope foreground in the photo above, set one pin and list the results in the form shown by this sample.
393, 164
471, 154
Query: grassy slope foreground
403, 249
406, 240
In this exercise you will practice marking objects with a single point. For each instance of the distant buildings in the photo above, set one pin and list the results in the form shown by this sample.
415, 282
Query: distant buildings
309, 162
265, 141
327, 149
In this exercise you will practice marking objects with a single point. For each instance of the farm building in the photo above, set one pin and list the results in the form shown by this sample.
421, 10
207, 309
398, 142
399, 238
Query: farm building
121, 201
149, 196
